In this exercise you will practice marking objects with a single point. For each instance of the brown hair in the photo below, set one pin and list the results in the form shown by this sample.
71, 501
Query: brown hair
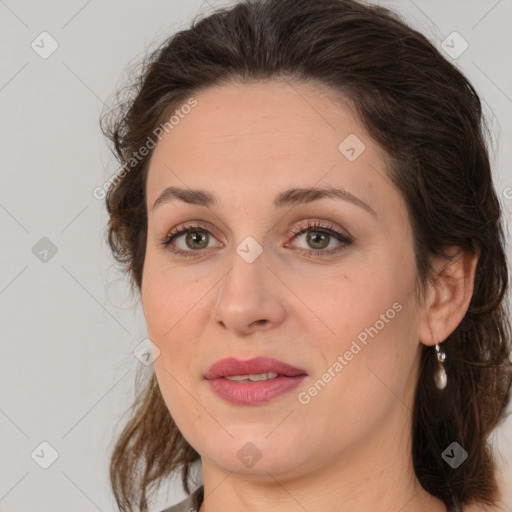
428, 118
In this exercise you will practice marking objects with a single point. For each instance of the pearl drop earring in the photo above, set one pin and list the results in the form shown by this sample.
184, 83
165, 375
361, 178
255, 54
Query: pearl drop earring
440, 377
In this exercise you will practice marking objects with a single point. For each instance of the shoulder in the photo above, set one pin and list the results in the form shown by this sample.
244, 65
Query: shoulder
478, 507
189, 504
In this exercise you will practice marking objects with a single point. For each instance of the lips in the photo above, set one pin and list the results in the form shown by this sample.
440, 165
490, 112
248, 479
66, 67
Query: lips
284, 378
232, 366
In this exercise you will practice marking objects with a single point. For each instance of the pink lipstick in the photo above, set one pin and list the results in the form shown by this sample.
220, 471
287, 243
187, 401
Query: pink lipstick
253, 381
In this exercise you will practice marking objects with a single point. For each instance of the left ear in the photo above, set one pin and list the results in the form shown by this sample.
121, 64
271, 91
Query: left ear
448, 295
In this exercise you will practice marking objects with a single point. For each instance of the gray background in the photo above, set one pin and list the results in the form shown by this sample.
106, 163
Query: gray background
69, 326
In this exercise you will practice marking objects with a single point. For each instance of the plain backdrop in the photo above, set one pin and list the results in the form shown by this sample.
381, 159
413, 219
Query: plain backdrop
69, 326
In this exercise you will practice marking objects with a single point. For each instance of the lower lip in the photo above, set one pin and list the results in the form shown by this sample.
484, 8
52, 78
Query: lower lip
253, 393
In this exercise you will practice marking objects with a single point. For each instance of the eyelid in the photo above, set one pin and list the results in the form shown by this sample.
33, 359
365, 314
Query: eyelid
191, 224
320, 225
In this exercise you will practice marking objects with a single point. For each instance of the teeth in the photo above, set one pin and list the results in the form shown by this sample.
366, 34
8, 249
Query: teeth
254, 377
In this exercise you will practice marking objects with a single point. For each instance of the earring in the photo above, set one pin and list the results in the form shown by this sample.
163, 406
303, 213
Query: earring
440, 377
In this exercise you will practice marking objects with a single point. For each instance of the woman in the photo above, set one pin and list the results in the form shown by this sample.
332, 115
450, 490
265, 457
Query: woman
306, 208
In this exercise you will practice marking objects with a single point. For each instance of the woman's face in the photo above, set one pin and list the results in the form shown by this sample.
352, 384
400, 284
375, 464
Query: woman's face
273, 280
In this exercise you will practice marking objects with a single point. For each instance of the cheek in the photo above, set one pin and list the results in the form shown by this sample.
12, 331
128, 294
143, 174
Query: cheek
354, 301
165, 299
369, 309
169, 314
159, 305
175, 312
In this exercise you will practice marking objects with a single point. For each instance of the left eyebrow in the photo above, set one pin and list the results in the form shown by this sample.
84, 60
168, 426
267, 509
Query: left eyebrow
289, 197
296, 196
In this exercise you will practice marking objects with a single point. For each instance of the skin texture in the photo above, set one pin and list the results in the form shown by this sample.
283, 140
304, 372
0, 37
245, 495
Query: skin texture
349, 447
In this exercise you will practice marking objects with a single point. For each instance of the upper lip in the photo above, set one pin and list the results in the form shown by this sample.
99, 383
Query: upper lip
232, 366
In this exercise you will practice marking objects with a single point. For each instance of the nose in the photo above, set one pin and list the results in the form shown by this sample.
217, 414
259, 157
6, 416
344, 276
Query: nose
250, 297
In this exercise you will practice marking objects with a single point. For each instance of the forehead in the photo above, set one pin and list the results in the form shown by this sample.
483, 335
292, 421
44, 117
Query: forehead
243, 139
267, 114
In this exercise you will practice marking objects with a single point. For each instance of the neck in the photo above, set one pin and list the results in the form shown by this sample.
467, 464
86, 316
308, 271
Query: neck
377, 476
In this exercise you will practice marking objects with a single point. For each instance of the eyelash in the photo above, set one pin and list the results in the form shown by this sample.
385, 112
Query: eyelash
308, 226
